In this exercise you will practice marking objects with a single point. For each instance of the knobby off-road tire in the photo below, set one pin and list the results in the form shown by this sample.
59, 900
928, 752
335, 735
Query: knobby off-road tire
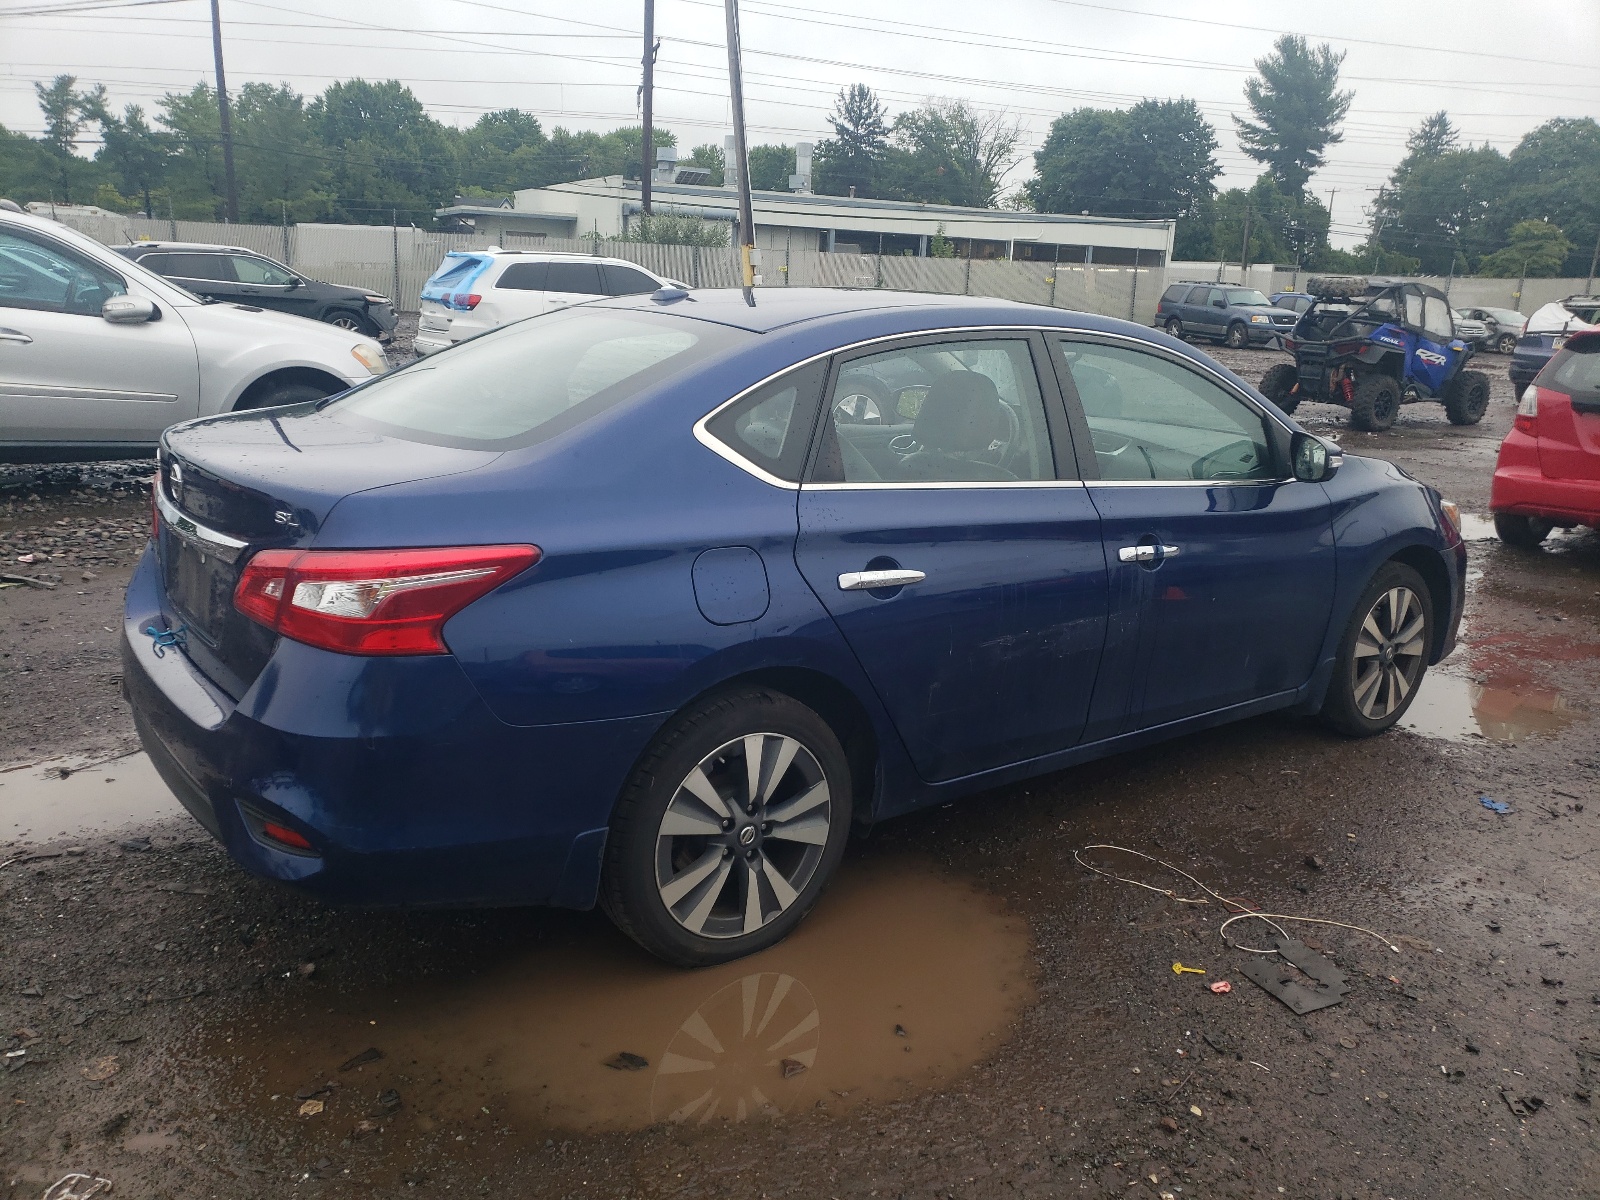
1383, 654
1278, 385
728, 830
1525, 533
1376, 404
1238, 336
1466, 398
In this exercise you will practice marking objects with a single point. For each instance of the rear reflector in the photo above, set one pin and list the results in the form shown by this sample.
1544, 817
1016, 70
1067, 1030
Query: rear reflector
372, 601
284, 836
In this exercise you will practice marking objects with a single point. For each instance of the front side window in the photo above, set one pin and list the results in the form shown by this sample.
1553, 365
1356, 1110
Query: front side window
582, 279
249, 269
625, 281
959, 411
1413, 308
46, 278
531, 380
771, 427
1219, 298
1152, 419
1436, 320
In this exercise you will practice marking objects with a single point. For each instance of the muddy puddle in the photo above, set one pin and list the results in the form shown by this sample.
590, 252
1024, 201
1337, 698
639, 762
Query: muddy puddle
900, 980
1456, 709
71, 797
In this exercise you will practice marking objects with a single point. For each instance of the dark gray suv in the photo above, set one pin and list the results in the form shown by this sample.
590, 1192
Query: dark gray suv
1235, 316
240, 276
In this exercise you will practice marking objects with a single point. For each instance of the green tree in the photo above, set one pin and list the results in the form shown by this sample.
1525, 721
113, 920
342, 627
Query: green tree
282, 169
1435, 135
854, 155
67, 112
711, 158
1156, 159
136, 154
770, 167
947, 152
671, 229
28, 171
1554, 175
1298, 107
1437, 207
940, 246
1536, 248
503, 151
385, 154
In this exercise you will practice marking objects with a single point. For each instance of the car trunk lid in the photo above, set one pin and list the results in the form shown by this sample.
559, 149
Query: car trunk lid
229, 487
1569, 411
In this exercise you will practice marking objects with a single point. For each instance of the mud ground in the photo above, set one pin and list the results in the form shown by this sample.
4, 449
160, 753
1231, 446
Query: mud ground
972, 1012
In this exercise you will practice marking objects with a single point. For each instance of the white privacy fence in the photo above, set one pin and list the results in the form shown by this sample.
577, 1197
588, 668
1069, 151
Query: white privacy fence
398, 262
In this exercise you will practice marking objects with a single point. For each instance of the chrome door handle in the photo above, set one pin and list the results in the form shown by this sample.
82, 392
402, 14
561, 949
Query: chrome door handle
1143, 554
14, 335
863, 581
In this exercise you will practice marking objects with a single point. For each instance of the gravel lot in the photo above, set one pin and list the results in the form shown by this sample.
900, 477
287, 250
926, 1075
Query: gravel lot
984, 1017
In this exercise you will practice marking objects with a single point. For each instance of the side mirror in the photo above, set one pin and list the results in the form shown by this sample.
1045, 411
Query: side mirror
129, 310
295, 281
1315, 460
1219, 304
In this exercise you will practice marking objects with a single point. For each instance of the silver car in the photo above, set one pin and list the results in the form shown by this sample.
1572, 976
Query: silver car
99, 355
1504, 325
1470, 330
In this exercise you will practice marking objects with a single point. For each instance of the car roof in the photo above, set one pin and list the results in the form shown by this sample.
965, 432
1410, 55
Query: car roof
204, 246
548, 256
784, 307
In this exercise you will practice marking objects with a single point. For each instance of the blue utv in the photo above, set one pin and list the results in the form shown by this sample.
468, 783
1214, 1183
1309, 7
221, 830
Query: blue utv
1372, 345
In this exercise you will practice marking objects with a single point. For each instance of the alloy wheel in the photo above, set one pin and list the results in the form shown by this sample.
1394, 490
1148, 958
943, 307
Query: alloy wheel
743, 835
1389, 653
350, 323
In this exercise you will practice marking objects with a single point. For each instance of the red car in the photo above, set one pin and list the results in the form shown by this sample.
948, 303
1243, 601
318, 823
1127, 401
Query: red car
1549, 468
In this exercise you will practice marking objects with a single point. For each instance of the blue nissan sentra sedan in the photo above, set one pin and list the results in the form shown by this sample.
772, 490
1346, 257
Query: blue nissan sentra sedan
645, 602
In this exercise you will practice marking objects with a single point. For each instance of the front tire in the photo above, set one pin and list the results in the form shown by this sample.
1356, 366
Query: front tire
1237, 336
1375, 404
1525, 533
1383, 655
728, 830
279, 394
342, 319
1278, 385
1466, 398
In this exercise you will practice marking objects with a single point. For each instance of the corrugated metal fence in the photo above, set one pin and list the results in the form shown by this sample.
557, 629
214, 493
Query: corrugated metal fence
398, 262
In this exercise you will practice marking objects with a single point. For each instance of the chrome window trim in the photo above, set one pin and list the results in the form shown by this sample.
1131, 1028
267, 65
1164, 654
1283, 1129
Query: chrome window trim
728, 453
207, 540
926, 485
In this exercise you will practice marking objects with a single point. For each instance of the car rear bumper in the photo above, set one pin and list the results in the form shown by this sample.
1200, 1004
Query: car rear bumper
427, 342
1521, 487
409, 790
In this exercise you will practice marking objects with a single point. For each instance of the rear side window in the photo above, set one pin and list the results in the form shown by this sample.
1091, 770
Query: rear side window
524, 277
1175, 294
771, 427
191, 266
579, 278
529, 381
625, 281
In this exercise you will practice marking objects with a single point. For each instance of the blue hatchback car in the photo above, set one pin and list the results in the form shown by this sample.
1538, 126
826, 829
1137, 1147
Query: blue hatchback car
647, 601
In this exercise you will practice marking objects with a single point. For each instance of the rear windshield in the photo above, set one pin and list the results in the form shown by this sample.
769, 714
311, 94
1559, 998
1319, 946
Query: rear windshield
454, 270
1575, 370
529, 381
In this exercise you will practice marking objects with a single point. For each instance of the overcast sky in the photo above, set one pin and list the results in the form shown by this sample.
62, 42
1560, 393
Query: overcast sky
1499, 68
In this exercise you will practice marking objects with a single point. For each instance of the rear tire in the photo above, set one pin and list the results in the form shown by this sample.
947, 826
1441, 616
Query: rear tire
1174, 327
1383, 654
700, 867
1375, 405
1466, 398
1278, 385
1237, 336
1525, 533
1507, 343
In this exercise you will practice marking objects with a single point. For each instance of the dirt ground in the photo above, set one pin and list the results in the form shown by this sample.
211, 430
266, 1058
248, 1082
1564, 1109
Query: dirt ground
970, 1012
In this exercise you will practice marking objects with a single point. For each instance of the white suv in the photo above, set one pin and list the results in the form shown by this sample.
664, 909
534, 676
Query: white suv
475, 290
99, 355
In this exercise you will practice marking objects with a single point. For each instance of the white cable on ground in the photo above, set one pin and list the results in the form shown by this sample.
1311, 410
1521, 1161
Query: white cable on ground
1222, 930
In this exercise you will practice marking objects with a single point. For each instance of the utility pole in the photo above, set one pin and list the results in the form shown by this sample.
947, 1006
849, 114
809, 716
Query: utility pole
232, 209
1594, 262
747, 220
1244, 250
647, 153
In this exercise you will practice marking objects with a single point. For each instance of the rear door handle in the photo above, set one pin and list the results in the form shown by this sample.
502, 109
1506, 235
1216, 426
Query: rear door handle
862, 581
1143, 554
14, 335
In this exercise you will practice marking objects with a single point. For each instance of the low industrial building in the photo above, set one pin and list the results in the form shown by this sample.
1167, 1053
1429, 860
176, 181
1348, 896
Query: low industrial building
800, 220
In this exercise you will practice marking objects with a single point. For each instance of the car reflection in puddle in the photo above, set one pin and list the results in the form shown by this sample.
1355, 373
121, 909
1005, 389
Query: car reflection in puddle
900, 980
1455, 709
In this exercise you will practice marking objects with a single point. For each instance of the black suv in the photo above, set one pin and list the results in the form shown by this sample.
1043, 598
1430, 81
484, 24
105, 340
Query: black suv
240, 276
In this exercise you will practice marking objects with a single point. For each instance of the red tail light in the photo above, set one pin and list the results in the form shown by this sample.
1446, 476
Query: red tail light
1527, 418
466, 300
372, 601
1343, 348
